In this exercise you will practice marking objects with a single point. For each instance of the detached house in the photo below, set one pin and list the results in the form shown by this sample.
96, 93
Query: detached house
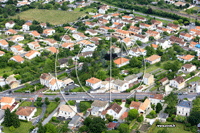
141, 38
186, 36
35, 34
50, 42
121, 85
34, 45
17, 58
10, 32
32, 54
186, 58
68, 45
156, 23
66, 38
26, 26
94, 83
17, 49
173, 27
67, 111
53, 50
127, 17
135, 29
91, 32
127, 41
121, 33
103, 9
79, 36
135, 105
49, 32
98, 106
2, 53
163, 43
4, 44
178, 82
153, 59
114, 109
164, 81
121, 62
184, 107
17, 38
43, 25
145, 106
156, 98
188, 68
72, 30
10, 24
145, 26
137, 52
26, 113
7, 101
155, 34
161, 30
177, 40
138, 19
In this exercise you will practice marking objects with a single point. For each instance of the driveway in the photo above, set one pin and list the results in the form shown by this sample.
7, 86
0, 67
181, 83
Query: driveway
44, 107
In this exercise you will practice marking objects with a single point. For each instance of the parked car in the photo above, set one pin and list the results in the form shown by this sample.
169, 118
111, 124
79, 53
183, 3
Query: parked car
74, 93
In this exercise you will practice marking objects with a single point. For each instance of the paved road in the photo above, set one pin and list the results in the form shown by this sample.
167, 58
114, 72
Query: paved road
51, 115
44, 107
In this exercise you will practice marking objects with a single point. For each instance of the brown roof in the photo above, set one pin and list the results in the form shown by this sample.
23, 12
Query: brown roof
6, 99
120, 60
53, 50
93, 80
187, 57
135, 105
12, 31
11, 22
35, 33
187, 65
28, 23
164, 79
172, 25
157, 96
2, 53
179, 79
3, 42
6, 106
30, 53
115, 107
112, 125
18, 58
145, 104
25, 111
125, 115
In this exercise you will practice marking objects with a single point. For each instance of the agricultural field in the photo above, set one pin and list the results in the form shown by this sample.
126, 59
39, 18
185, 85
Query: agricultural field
52, 16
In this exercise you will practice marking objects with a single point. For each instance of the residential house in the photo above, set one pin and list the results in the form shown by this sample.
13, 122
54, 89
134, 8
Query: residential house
66, 38
186, 58
72, 30
17, 58
4, 44
135, 29
17, 49
74, 122
32, 54
115, 49
43, 25
91, 24
26, 26
173, 27
10, 24
67, 111
7, 101
121, 33
163, 43
156, 98
26, 113
50, 42
121, 61
2, 53
164, 81
161, 30
153, 59
53, 50
79, 36
131, 78
127, 41
68, 45
192, 45
177, 40
135, 105
145, 26
95, 40
34, 45
97, 16
98, 106
138, 19
186, 36
102, 21
94, 83
49, 32
141, 38
156, 23
184, 107
127, 17
177, 82
188, 68
17, 38
107, 17
91, 32
143, 109
85, 54
148, 79
63, 62
114, 109
10, 32
137, 52
154, 46
35, 34
154, 34
120, 85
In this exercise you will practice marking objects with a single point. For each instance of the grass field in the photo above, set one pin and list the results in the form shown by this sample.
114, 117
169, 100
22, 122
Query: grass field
51, 107
24, 128
38, 112
51, 16
7, 70
178, 129
193, 79
80, 89
25, 103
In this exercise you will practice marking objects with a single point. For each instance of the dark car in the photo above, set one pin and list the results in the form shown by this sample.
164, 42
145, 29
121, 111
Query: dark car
67, 93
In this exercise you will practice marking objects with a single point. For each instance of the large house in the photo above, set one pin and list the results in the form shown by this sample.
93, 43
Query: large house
98, 106
9, 102
67, 111
17, 58
186, 58
153, 59
114, 109
184, 107
156, 98
10, 24
178, 82
26, 113
120, 85
94, 83
188, 68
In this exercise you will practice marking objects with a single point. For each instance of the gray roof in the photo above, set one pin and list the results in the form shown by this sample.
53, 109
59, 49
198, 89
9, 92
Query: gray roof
75, 120
98, 103
140, 74
95, 109
119, 82
184, 103
2, 112
161, 40
130, 77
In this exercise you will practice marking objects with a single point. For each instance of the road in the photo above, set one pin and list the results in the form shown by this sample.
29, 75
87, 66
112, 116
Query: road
44, 107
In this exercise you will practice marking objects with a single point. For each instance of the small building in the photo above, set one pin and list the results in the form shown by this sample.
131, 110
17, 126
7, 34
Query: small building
74, 122
67, 111
148, 79
131, 78
188, 68
135, 105
153, 59
26, 113
114, 109
121, 62
164, 81
177, 82
184, 107
10, 24
94, 83
156, 98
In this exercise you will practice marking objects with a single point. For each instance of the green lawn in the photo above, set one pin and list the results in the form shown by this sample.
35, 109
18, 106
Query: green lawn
86, 10
80, 89
51, 16
24, 128
193, 79
84, 105
25, 103
153, 88
51, 107
178, 129
38, 112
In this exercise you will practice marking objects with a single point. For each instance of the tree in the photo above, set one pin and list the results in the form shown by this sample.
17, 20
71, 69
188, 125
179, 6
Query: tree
40, 128
151, 38
84, 128
158, 107
138, 42
101, 75
87, 121
123, 128
133, 114
12, 128
5, 75
70, 62
141, 118
15, 120
57, 99
7, 118
134, 62
50, 128
47, 101
85, 67
176, 22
